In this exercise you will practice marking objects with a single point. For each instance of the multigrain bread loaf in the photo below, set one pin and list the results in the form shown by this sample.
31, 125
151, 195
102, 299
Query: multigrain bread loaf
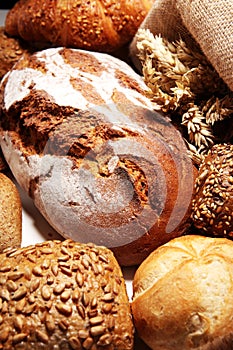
94, 25
10, 214
212, 205
63, 295
183, 295
82, 139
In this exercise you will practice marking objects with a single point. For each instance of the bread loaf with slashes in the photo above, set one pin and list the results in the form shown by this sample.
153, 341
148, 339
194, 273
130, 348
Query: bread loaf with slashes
83, 140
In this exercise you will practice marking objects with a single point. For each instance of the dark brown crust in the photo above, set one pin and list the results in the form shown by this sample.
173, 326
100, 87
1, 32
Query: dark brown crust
93, 25
213, 195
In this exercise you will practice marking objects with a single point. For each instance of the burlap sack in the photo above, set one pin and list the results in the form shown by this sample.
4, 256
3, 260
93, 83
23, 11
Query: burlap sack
207, 24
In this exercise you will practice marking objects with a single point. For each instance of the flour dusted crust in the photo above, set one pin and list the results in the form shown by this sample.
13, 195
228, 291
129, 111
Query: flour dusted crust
183, 295
82, 139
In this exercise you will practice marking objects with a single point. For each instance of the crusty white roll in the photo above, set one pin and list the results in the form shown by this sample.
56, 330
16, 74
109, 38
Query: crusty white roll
83, 140
183, 295
63, 295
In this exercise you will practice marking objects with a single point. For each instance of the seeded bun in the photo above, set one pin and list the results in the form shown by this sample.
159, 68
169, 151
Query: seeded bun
183, 295
91, 25
11, 49
83, 140
212, 205
10, 214
63, 295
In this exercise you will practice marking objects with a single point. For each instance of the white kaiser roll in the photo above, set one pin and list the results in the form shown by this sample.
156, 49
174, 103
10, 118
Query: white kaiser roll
183, 295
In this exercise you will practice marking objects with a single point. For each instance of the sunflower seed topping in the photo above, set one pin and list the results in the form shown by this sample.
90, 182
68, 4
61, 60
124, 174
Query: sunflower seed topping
18, 338
70, 300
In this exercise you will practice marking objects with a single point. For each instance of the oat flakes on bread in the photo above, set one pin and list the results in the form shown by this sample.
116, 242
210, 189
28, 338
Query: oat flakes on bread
83, 141
92, 25
183, 295
10, 214
63, 295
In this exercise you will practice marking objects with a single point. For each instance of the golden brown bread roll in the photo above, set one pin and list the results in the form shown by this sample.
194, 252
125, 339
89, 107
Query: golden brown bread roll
94, 25
183, 295
11, 49
10, 214
212, 205
83, 140
63, 295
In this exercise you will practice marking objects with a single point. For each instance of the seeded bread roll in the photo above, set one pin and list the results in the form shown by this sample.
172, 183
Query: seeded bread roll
10, 214
183, 295
63, 295
212, 205
92, 25
83, 140
11, 49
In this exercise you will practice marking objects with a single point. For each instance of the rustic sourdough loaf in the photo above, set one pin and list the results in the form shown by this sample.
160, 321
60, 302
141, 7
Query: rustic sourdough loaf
183, 295
82, 139
10, 214
94, 25
63, 295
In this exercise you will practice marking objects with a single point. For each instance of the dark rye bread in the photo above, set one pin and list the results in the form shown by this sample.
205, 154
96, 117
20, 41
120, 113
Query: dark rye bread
10, 214
82, 139
63, 295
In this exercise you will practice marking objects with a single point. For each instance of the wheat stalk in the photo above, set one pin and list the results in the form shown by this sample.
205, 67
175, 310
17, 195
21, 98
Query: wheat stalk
182, 82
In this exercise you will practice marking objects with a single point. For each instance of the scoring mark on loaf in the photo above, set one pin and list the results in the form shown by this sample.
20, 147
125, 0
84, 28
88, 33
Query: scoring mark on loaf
88, 305
88, 146
59, 68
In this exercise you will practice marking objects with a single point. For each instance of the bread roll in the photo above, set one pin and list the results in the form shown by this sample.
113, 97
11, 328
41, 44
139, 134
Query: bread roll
183, 295
10, 214
63, 295
212, 205
93, 25
10, 52
82, 139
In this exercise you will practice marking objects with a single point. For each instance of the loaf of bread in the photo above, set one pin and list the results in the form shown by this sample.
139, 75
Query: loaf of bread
212, 205
93, 25
82, 139
63, 295
10, 214
183, 295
